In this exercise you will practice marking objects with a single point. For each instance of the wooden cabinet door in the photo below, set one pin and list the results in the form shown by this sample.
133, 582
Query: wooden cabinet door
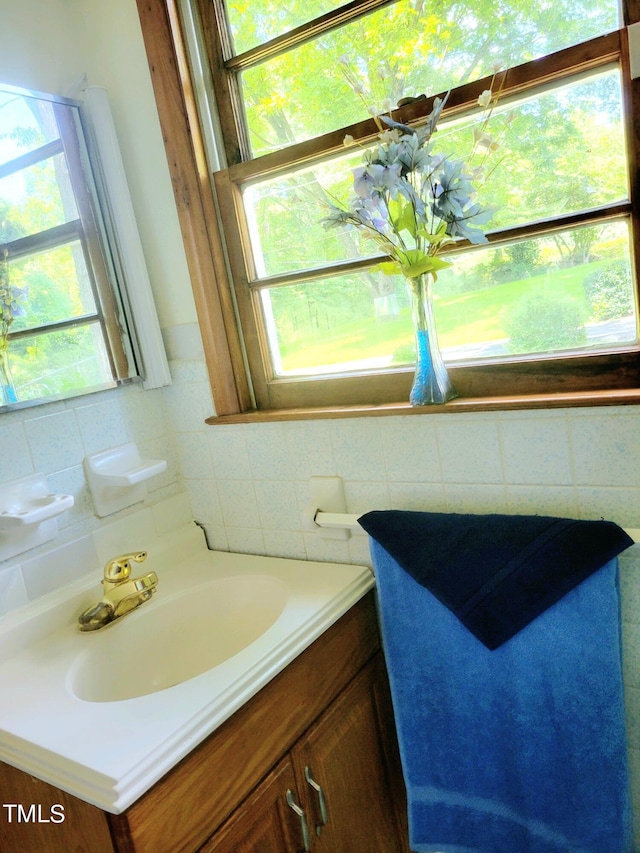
347, 754
264, 823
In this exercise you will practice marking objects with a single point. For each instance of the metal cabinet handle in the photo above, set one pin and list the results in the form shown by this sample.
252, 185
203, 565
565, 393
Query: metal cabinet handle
322, 802
304, 826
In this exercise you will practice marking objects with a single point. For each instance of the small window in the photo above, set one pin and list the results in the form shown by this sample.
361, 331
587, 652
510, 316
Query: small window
63, 330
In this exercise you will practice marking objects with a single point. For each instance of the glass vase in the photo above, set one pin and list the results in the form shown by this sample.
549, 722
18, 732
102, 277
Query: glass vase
431, 383
7, 388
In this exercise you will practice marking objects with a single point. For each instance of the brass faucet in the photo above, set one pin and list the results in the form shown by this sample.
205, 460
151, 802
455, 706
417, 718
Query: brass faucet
122, 593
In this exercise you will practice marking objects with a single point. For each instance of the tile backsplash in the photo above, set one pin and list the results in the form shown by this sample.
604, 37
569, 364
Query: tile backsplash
248, 483
53, 439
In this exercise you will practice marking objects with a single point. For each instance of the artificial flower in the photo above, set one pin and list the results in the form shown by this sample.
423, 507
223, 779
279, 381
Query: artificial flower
412, 201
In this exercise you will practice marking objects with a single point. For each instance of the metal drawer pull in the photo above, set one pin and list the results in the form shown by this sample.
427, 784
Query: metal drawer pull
304, 826
322, 803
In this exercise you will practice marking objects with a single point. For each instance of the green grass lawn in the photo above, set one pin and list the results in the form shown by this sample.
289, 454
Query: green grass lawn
479, 316
469, 318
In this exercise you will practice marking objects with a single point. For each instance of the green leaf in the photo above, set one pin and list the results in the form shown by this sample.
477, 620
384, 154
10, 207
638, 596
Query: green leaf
417, 263
388, 268
436, 239
402, 215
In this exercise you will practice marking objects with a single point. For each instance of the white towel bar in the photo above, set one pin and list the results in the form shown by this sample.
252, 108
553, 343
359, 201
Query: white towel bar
349, 521
339, 520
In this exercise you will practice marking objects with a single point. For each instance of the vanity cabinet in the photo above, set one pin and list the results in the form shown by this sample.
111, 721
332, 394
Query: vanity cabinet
319, 738
332, 793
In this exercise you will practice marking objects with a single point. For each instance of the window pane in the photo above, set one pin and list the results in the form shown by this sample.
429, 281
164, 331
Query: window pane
36, 198
403, 50
25, 125
254, 22
62, 363
572, 290
541, 138
351, 322
284, 217
61, 319
552, 150
56, 284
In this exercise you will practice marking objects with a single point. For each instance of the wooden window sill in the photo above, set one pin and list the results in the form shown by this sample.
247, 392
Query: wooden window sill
625, 397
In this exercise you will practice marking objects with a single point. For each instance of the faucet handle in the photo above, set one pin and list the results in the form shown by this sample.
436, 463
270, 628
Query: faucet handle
119, 568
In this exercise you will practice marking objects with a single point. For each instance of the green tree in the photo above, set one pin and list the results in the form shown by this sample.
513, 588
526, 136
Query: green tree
609, 291
403, 49
551, 162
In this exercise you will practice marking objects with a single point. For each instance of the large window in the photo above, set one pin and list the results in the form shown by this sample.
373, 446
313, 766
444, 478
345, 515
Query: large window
549, 305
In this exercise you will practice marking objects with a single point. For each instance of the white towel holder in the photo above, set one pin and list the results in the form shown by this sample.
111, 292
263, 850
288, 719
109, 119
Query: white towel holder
337, 520
325, 511
327, 498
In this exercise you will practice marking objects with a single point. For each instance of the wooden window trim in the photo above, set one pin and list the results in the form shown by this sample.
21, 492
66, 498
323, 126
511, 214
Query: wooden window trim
324, 24
591, 380
503, 403
196, 206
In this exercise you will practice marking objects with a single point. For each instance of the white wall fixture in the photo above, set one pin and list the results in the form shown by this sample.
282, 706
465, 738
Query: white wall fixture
118, 477
326, 496
28, 514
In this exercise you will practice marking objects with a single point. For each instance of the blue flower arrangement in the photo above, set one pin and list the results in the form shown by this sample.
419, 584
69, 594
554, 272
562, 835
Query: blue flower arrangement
412, 201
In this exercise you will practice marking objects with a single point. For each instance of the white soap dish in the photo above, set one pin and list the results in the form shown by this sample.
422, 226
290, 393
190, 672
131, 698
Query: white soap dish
117, 477
28, 513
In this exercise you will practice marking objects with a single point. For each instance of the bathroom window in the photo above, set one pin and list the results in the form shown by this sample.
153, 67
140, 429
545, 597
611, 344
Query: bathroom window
63, 330
549, 305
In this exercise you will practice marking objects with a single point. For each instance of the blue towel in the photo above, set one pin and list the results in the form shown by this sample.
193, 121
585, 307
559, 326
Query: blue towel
495, 572
517, 750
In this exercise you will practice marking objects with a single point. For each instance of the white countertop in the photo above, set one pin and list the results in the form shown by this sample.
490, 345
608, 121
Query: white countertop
110, 753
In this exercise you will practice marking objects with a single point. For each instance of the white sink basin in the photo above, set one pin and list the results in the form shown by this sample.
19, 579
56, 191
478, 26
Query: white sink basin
165, 643
105, 714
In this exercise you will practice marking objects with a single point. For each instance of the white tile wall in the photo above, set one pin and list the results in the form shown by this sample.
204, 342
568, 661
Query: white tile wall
247, 484
581, 463
138, 528
54, 439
